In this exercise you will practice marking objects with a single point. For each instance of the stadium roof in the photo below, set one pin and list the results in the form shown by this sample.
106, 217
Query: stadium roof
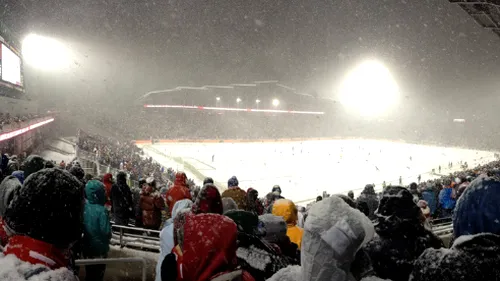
484, 12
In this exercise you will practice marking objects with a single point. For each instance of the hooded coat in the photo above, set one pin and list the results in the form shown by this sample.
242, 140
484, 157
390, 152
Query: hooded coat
333, 234
429, 195
253, 203
8, 188
213, 256
96, 226
288, 211
167, 234
239, 196
273, 230
121, 198
151, 205
401, 236
208, 201
178, 192
446, 201
369, 197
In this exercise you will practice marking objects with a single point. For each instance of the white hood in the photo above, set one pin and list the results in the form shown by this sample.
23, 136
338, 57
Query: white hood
13, 269
333, 233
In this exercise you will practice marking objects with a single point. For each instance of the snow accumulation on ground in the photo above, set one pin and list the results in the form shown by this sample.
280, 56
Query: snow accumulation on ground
59, 146
305, 169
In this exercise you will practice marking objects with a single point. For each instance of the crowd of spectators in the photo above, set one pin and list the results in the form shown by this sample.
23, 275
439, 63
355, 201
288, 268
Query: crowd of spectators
8, 121
239, 235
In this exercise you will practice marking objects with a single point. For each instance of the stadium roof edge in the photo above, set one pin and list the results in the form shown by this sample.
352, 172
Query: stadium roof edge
484, 12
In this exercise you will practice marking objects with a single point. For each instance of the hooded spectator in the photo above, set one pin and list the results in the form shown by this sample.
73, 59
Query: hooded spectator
474, 254
214, 256
208, 180
107, 180
429, 195
97, 229
228, 204
78, 172
167, 234
333, 235
402, 236
121, 199
19, 175
369, 197
179, 191
288, 211
208, 201
257, 257
239, 195
273, 231
33, 164
350, 194
447, 201
38, 249
253, 203
8, 188
151, 205
415, 192
271, 197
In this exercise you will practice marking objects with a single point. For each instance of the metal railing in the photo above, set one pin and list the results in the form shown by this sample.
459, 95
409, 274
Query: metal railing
115, 260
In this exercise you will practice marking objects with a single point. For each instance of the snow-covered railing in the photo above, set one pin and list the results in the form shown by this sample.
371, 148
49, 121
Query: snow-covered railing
115, 260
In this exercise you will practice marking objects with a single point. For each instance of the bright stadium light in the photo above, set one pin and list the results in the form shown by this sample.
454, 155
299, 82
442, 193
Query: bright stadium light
217, 98
238, 100
257, 101
45, 53
276, 102
369, 89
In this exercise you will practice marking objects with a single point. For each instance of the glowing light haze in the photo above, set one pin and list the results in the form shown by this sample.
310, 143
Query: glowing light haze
45, 53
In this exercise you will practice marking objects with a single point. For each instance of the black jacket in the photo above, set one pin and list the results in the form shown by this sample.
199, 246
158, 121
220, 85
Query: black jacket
369, 197
121, 199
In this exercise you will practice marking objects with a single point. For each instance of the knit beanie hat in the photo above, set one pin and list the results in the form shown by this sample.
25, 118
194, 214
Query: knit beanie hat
48, 207
32, 164
233, 181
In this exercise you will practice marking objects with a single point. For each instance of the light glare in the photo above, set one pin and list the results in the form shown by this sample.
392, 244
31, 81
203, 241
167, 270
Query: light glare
45, 53
276, 102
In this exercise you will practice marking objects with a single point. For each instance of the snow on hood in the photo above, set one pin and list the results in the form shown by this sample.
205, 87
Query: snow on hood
8, 188
13, 269
333, 233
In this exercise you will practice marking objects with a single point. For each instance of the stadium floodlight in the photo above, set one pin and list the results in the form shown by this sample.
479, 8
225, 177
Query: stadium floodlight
45, 53
257, 101
369, 89
217, 98
238, 100
276, 102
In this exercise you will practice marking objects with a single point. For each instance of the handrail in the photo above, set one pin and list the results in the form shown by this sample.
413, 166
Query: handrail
136, 228
115, 260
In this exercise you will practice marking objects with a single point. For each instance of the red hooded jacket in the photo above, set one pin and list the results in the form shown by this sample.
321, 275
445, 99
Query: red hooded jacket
107, 181
151, 206
178, 192
209, 248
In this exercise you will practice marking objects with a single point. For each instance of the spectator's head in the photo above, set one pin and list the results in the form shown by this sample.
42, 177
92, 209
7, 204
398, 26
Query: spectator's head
319, 198
276, 190
272, 228
208, 180
121, 177
151, 182
350, 194
8, 188
49, 207
78, 172
369, 189
49, 164
232, 182
247, 222
19, 175
478, 208
252, 194
180, 179
413, 186
33, 164
94, 192
228, 204
397, 212
287, 210
208, 201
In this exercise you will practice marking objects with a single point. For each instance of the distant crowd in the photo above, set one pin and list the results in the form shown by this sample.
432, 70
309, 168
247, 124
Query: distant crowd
238, 235
7, 119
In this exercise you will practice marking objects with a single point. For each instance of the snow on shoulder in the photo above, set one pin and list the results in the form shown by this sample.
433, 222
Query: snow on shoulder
13, 269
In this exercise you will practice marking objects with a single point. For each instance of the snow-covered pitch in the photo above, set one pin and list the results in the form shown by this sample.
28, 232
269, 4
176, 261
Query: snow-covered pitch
306, 169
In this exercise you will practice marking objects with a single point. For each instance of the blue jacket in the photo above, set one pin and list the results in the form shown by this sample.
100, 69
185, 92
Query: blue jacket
97, 229
445, 200
430, 197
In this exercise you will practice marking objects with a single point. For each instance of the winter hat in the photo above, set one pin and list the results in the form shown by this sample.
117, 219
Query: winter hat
272, 228
8, 188
121, 177
232, 182
33, 164
477, 210
48, 207
19, 175
228, 204
208, 201
247, 222
78, 172
208, 180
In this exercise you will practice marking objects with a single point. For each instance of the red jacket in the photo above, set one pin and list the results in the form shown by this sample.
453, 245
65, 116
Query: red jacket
106, 180
151, 206
209, 248
178, 192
